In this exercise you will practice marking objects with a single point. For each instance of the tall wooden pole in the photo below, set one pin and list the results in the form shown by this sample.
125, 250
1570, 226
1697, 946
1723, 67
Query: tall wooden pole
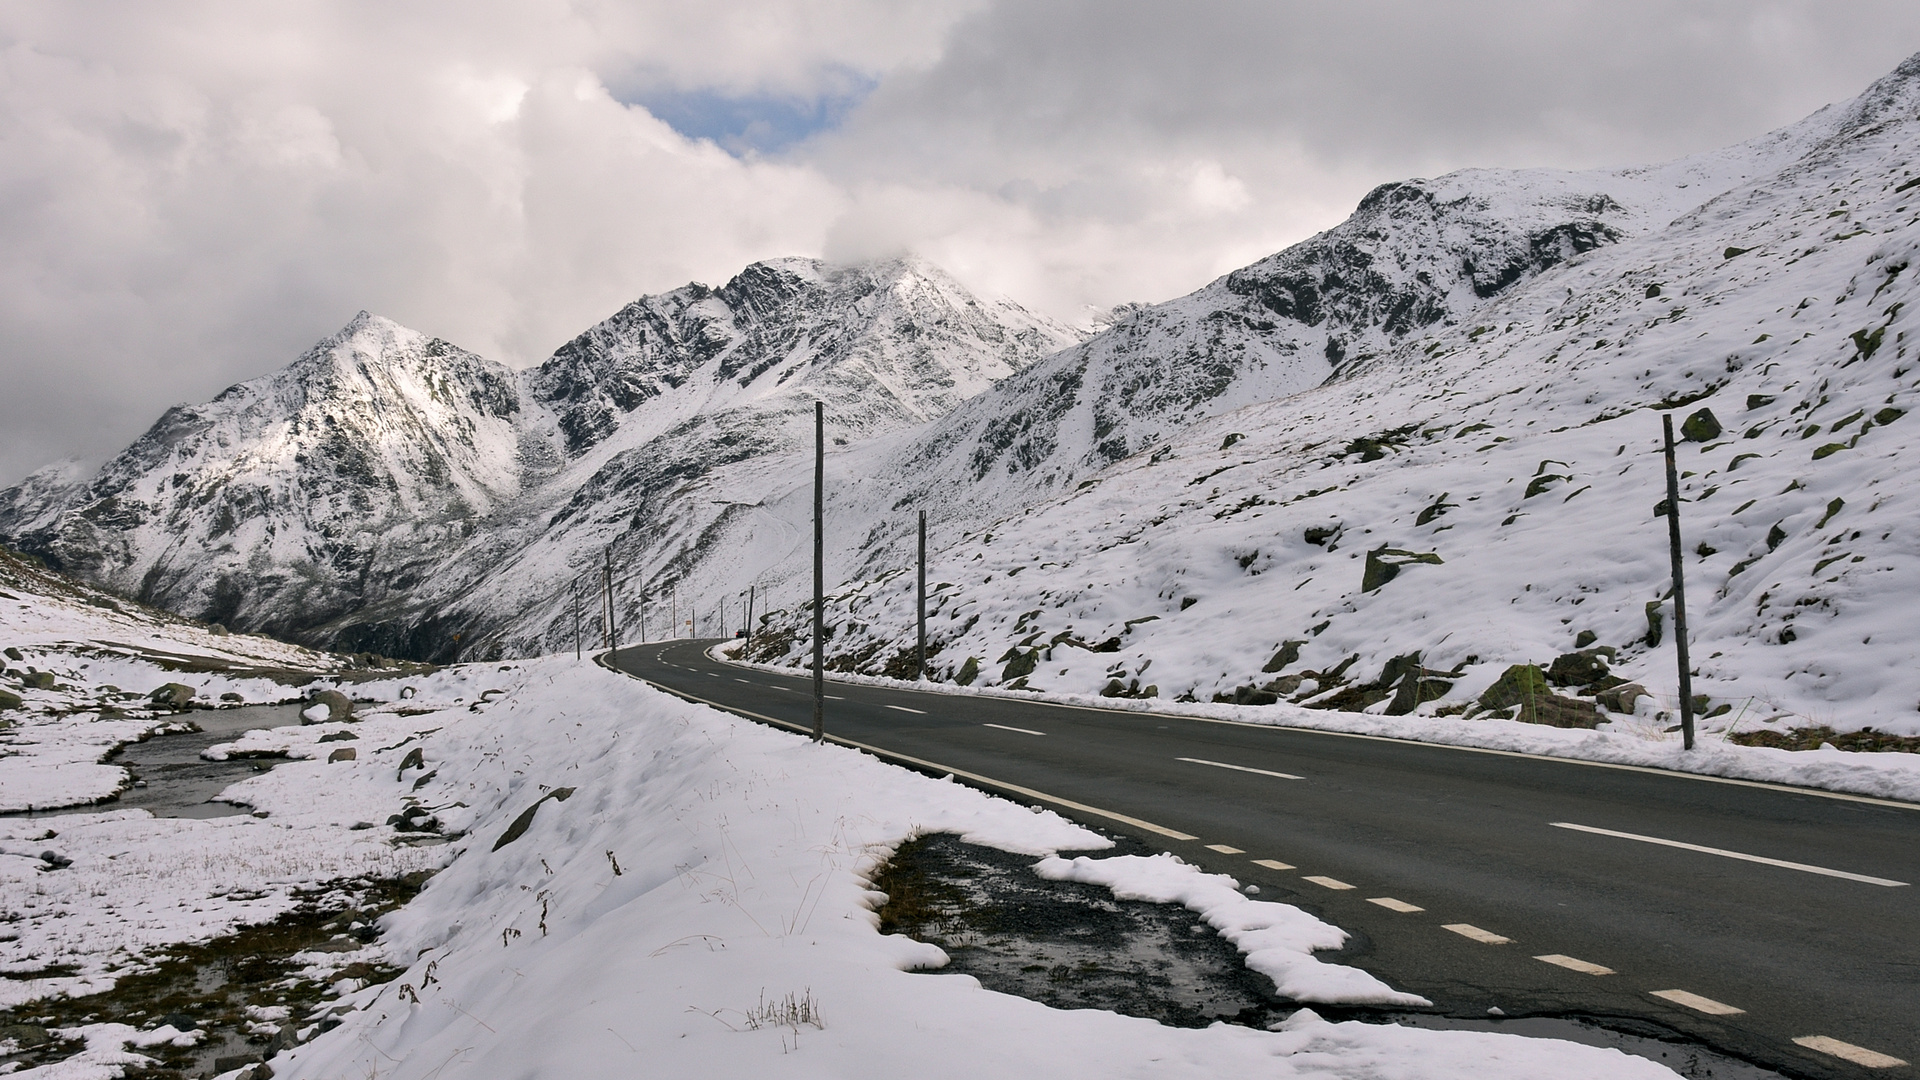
819, 572
576, 620
643, 614
1679, 589
920, 666
606, 598
613, 613
749, 639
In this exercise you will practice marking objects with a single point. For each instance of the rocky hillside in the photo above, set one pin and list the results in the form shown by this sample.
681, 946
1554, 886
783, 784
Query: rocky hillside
1471, 486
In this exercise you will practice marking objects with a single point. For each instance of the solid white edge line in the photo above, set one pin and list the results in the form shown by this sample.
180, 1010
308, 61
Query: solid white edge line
903, 708
1725, 854
889, 755
1240, 768
1003, 727
1649, 770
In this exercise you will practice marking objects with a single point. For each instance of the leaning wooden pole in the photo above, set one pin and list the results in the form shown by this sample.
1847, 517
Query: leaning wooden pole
819, 572
748, 644
1679, 588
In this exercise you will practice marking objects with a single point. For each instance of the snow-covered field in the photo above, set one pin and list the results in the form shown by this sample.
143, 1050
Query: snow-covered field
634, 885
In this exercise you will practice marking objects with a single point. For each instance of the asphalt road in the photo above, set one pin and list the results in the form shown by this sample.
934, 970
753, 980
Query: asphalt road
1480, 880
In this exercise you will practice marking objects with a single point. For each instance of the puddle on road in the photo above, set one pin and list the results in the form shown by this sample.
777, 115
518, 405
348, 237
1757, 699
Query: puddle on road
1072, 945
178, 782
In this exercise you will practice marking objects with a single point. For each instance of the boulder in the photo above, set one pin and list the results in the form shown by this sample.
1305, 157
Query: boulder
1526, 685
1621, 698
217, 630
1384, 563
43, 680
518, 827
173, 695
10, 700
14, 654
968, 672
345, 753
339, 736
1582, 668
338, 708
1701, 427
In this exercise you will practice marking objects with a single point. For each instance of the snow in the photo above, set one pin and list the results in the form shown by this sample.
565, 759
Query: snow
691, 896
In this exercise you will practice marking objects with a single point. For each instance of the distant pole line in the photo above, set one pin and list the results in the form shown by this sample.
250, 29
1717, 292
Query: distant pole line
819, 572
920, 663
576, 621
1679, 588
613, 613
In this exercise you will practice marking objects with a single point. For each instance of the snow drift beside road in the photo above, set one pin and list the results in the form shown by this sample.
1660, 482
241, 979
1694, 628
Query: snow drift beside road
700, 894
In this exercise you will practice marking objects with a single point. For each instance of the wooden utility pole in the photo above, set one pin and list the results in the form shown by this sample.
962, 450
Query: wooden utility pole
1679, 588
643, 614
819, 572
576, 620
613, 614
920, 666
749, 639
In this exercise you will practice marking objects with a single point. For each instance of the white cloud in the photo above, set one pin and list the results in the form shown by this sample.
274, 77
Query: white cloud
192, 193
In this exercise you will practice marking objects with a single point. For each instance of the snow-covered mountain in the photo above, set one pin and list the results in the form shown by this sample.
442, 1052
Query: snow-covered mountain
1454, 468
384, 490
343, 476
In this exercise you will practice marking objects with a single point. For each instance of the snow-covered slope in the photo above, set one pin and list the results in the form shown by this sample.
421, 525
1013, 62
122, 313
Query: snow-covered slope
293, 496
1503, 457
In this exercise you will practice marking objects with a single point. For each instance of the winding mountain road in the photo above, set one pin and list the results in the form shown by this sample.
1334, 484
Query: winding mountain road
1773, 924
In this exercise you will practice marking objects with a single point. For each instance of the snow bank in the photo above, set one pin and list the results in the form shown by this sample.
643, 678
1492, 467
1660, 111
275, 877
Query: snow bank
687, 894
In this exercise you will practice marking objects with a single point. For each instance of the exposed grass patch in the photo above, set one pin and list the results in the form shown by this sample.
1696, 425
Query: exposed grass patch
1865, 740
210, 985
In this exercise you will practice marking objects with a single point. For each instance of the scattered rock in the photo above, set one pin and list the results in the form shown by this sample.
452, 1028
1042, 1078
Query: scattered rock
338, 736
14, 654
10, 700
1585, 638
415, 759
1020, 663
173, 695
407, 692
1655, 621
38, 680
1289, 652
968, 672
57, 861
1384, 563
345, 753
519, 826
217, 630
231, 696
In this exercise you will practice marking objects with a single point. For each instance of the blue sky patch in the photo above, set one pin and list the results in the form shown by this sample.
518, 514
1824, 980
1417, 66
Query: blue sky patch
751, 123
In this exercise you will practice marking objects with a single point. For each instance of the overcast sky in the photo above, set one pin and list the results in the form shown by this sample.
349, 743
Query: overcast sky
192, 193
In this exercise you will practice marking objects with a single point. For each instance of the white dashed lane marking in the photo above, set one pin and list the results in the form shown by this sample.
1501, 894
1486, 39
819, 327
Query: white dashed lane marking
1697, 1003
1273, 864
1571, 964
1226, 850
1327, 882
1391, 904
1004, 727
1484, 937
1846, 1051
916, 712
1240, 768
1725, 854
